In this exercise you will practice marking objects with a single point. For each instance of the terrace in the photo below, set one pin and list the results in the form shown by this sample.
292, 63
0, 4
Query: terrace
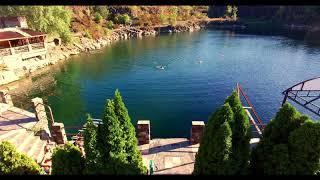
21, 42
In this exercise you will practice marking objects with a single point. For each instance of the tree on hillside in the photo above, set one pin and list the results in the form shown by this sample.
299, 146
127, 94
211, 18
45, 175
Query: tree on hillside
134, 157
48, 19
241, 135
213, 156
102, 10
14, 163
278, 150
67, 160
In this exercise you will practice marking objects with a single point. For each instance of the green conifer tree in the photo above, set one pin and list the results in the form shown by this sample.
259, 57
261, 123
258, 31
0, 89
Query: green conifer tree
111, 143
241, 135
133, 155
93, 160
213, 156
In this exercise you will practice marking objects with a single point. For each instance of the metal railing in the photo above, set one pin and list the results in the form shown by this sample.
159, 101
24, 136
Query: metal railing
259, 126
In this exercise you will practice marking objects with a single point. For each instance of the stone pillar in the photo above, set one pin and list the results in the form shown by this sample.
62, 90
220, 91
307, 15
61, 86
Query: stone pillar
41, 115
58, 133
5, 97
196, 131
143, 132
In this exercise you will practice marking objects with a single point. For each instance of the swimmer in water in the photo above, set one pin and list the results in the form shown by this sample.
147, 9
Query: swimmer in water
160, 67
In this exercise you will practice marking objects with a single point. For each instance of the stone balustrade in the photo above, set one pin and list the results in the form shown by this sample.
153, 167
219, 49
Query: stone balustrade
5, 97
197, 130
143, 132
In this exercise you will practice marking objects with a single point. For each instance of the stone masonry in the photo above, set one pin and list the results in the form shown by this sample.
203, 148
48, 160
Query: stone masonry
58, 133
196, 131
42, 124
143, 132
5, 97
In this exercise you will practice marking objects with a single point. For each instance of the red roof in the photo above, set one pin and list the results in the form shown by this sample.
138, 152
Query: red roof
31, 32
10, 35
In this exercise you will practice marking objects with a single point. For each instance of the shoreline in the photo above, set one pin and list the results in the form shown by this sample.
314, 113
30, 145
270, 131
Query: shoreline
61, 53
81, 44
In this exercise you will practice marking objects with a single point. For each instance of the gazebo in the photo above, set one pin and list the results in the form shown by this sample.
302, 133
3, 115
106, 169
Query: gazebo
306, 94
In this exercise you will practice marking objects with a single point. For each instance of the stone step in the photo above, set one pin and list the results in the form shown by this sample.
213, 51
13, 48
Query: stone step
37, 150
40, 152
11, 134
28, 141
20, 138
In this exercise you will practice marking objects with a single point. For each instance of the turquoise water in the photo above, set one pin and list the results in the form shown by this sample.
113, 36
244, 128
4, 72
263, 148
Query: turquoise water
201, 69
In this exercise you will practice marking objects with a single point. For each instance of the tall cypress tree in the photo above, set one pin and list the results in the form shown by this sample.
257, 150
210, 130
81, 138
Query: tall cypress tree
133, 155
213, 156
241, 135
111, 143
92, 161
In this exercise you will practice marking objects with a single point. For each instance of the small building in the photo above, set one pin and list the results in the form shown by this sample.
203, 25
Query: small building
18, 43
6, 22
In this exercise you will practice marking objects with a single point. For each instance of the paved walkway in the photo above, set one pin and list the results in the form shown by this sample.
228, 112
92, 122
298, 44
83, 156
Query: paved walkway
170, 156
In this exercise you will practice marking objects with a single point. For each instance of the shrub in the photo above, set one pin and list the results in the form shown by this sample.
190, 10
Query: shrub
87, 34
67, 160
110, 25
97, 17
122, 19
14, 163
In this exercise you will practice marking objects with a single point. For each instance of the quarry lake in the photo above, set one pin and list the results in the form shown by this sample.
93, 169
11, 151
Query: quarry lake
173, 79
